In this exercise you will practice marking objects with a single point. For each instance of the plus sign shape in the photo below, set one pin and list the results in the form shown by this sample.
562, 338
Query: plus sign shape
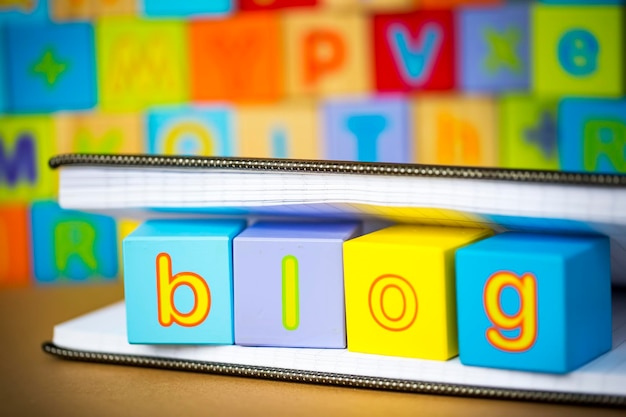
544, 134
49, 67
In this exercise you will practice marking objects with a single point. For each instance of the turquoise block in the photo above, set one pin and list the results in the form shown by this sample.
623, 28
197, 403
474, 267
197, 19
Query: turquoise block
592, 135
199, 131
3, 74
178, 280
165, 8
24, 11
534, 302
51, 67
71, 246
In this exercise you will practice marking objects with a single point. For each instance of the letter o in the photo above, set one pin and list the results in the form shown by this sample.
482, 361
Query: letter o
376, 301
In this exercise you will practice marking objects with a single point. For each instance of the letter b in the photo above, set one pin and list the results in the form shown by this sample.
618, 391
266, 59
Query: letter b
166, 288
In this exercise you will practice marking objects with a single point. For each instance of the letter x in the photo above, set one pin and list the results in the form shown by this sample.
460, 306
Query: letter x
502, 50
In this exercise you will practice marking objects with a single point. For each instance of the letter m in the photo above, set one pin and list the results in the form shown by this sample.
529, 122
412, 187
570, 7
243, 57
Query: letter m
20, 164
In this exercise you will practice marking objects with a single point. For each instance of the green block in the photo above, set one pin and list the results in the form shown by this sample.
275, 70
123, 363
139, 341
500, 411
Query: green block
26, 145
141, 63
528, 132
578, 50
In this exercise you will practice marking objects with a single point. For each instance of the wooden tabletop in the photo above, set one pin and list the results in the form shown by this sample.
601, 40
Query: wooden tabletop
34, 383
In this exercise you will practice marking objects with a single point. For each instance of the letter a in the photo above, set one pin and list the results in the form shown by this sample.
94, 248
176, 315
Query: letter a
415, 60
167, 286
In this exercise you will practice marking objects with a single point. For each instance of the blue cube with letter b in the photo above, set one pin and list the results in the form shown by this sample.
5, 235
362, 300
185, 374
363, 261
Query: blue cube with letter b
534, 302
178, 282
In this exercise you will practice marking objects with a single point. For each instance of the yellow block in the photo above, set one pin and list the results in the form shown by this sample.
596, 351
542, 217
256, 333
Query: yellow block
281, 131
400, 290
326, 53
377, 5
455, 130
65, 10
99, 133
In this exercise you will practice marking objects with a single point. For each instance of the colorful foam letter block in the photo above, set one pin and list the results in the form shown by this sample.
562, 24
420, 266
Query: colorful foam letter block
414, 51
161, 8
255, 5
534, 302
190, 131
400, 294
141, 63
23, 11
289, 284
3, 73
449, 4
51, 67
26, 144
494, 48
67, 10
237, 59
15, 265
592, 135
578, 50
592, 2
378, 5
326, 53
71, 246
455, 130
178, 281
288, 130
99, 133
528, 132
375, 130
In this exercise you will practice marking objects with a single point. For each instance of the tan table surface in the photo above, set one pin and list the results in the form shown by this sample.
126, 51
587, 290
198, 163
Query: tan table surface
34, 383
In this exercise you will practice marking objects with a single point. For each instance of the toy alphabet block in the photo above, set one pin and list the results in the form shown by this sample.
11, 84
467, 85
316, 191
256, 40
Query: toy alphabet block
528, 132
15, 269
287, 130
400, 293
141, 63
326, 53
23, 11
374, 130
71, 246
451, 4
168, 8
455, 130
256, 5
534, 302
592, 135
67, 10
50, 67
414, 51
99, 133
3, 74
26, 144
494, 48
593, 2
178, 281
578, 50
190, 131
297, 300
378, 5
237, 59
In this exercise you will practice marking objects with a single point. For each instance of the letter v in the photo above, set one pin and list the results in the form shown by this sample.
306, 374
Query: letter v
415, 59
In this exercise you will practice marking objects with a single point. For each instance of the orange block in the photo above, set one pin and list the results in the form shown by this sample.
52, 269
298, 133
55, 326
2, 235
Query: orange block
15, 265
65, 10
455, 130
237, 59
99, 133
448, 4
327, 53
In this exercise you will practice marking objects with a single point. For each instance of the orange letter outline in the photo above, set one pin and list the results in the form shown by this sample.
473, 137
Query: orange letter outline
379, 288
525, 319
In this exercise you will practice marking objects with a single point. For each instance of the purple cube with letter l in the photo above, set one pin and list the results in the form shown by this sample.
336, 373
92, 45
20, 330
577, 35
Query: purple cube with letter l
534, 302
494, 48
178, 281
289, 284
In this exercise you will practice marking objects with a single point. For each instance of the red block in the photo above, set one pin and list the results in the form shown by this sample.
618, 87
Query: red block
414, 51
15, 265
245, 5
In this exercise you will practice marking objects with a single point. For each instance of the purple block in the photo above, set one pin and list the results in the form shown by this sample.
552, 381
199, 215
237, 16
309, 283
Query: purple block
288, 284
493, 48
374, 130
